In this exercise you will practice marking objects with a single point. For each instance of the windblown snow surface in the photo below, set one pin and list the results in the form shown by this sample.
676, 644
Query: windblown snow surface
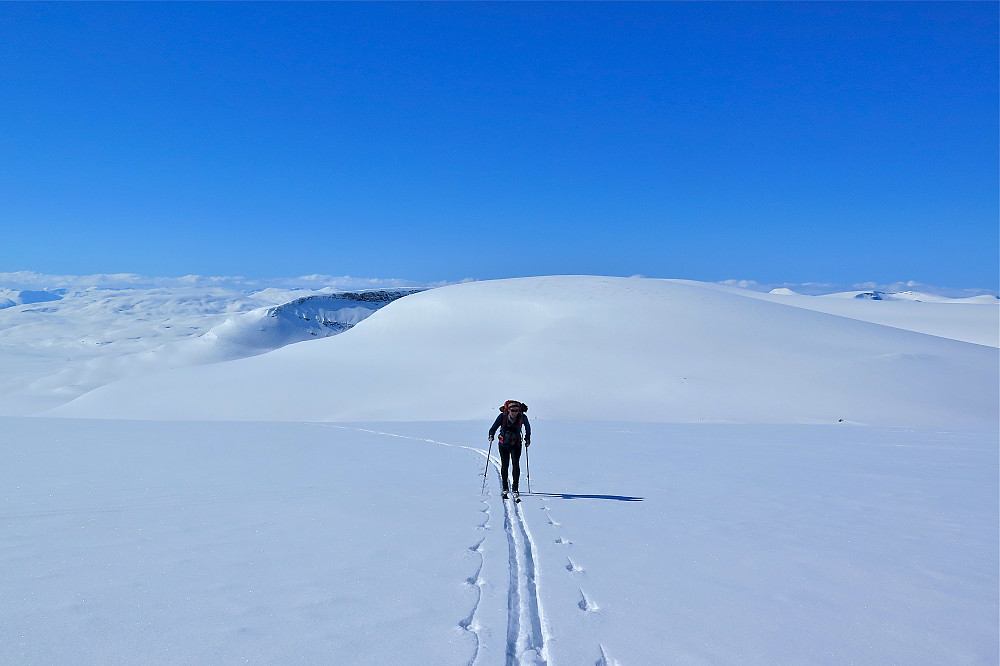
716, 477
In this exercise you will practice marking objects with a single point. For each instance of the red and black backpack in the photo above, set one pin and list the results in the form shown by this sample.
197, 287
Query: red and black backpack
508, 403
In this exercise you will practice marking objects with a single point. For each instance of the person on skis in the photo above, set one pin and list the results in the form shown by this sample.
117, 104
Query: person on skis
510, 422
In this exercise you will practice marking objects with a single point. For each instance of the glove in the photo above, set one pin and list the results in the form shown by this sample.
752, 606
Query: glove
491, 438
527, 443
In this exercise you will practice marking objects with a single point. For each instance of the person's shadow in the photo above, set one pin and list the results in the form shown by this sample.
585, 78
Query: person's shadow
617, 498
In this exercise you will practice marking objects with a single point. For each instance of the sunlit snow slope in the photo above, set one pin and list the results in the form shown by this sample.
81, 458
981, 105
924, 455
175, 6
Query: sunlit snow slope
593, 348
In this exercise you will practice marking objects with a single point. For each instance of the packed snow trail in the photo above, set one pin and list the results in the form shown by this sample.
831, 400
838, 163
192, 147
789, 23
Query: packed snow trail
527, 634
525, 629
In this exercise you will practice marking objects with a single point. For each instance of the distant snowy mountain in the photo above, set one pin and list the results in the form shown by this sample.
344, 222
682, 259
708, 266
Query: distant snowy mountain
897, 288
907, 296
305, 318
871, 295
11, 297
973, 319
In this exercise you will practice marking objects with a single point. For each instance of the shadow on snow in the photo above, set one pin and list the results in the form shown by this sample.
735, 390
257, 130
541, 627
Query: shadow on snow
618, 498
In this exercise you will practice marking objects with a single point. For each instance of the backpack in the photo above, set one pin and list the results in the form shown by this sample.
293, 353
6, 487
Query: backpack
508, 403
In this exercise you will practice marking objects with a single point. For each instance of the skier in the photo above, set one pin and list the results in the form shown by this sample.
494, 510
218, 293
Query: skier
512, 418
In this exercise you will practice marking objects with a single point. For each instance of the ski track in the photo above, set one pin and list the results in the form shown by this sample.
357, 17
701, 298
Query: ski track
527, 632
469, 624
604, 660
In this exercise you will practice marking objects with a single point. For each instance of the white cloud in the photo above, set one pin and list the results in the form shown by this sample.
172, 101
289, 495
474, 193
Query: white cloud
820, 288
33, 280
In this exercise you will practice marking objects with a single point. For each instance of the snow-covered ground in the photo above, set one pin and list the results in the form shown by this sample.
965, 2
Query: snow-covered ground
696, 496
176, 542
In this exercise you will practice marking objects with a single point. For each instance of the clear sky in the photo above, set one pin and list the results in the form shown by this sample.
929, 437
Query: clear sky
772, 142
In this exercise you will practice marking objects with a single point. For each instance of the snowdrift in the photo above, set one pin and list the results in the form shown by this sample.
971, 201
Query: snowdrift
586, 348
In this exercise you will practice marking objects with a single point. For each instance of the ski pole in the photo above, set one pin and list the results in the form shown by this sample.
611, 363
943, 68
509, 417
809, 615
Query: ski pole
527, 464
485, 471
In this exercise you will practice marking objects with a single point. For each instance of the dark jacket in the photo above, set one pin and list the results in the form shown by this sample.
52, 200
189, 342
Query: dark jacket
510, 432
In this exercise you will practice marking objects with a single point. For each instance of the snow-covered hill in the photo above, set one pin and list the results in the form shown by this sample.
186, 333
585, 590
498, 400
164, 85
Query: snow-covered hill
305, 318
589, 348
969, 319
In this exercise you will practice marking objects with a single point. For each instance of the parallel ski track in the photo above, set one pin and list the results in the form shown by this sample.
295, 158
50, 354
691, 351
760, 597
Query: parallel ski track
527, 635
526, 639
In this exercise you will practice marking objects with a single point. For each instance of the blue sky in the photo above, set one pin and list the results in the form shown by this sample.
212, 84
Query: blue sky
772, 142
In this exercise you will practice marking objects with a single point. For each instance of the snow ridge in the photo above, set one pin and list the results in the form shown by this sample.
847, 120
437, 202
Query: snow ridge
309, 317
